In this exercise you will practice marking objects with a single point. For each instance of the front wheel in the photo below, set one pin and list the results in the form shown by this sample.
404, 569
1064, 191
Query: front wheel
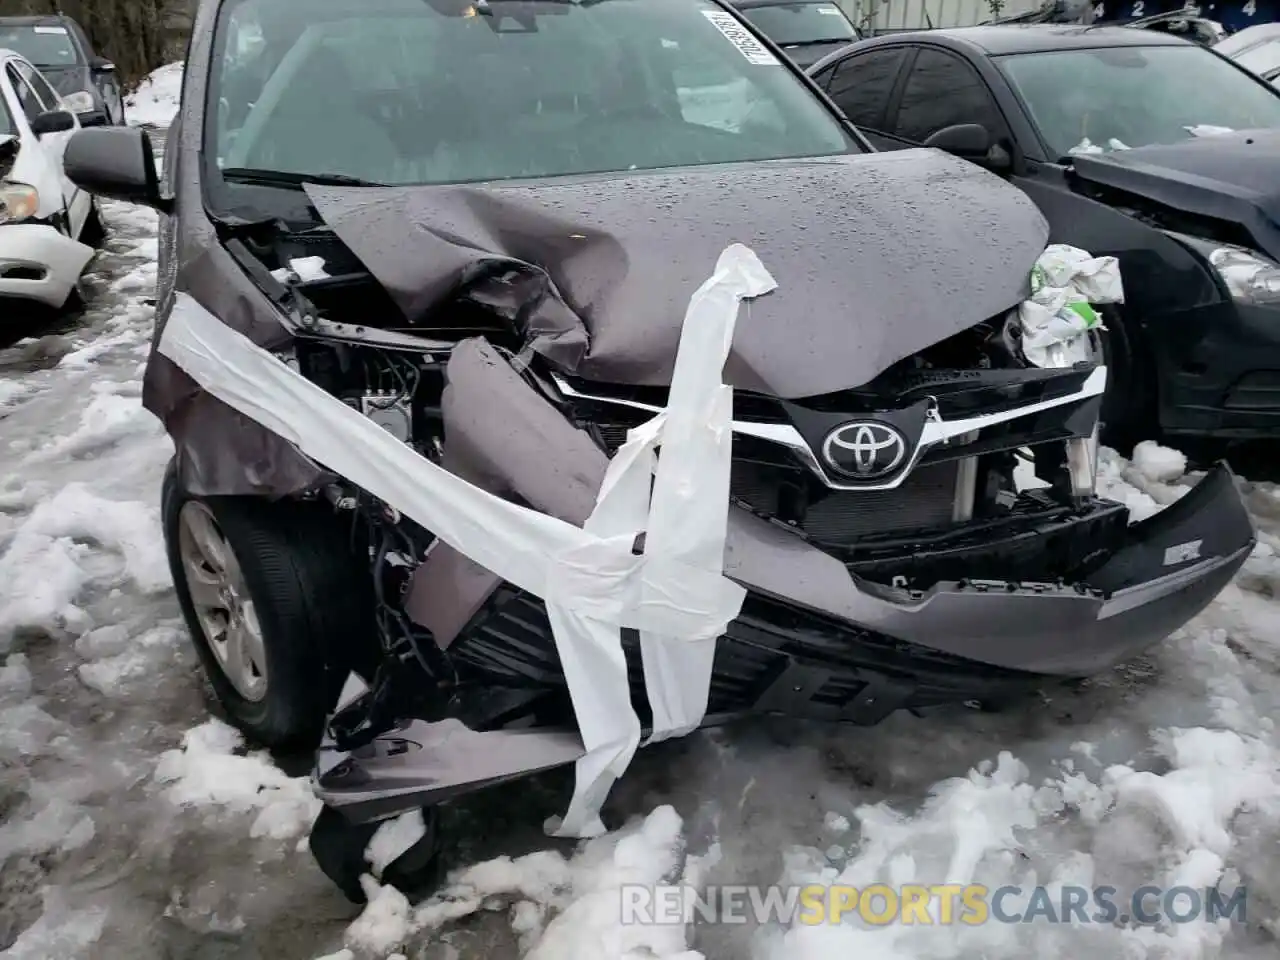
278, 605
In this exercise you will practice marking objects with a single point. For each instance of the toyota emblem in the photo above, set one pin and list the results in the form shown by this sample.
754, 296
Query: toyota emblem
865, 450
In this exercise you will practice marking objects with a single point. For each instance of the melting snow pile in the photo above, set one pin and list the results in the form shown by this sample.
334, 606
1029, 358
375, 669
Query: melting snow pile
51, 558
559, 909
156, 100
210, 773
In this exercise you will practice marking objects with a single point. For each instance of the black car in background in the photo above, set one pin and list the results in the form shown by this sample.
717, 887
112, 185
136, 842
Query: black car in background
1135, 144
61, 49
806, 30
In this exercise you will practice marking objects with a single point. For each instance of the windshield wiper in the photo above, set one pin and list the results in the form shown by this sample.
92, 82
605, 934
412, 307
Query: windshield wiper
814, 43
293, 181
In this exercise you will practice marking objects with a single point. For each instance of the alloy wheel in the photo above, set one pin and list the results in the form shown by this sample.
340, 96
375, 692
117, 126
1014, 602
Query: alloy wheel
220, 596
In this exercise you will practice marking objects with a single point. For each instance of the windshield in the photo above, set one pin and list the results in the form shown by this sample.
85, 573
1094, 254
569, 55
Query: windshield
439, 91
1117, 97
45, 46
793, 23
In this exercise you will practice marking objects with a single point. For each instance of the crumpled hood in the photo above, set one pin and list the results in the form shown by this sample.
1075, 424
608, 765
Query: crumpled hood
875, 257
1229, 176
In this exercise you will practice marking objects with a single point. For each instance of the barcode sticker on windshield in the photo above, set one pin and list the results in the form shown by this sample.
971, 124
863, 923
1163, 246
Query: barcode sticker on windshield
831, 11
61, 30
751, 48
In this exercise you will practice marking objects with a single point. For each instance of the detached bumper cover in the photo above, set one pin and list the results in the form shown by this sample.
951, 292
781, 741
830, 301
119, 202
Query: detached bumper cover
39, 263
976, 640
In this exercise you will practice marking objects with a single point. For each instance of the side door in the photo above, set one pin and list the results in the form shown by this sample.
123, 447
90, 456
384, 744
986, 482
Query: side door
76, 201
863, 87
942, 89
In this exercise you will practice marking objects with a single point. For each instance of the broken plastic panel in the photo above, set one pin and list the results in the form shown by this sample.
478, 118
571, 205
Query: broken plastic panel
675, 593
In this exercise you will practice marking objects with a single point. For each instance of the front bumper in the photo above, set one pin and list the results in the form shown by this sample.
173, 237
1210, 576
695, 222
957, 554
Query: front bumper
39, 263
854, 654
1219, 369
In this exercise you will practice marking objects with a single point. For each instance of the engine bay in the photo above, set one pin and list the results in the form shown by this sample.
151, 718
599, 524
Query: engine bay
959, 497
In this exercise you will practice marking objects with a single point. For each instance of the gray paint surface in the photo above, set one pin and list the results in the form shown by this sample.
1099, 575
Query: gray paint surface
875, 258
874, 255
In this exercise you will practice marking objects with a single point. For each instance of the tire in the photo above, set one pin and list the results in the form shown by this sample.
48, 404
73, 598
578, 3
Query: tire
299, 586
1130, 413
94, 231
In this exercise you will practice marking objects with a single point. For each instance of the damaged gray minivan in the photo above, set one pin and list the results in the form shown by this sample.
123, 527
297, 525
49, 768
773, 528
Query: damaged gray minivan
479, 223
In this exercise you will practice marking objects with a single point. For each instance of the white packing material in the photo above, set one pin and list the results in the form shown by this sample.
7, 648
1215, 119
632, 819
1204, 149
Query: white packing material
1057, 319
675, 593
303, 269
1208, 130
1088, 146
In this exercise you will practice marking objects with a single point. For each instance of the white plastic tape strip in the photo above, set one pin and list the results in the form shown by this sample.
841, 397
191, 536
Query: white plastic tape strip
685, 520
688, 520
592, 582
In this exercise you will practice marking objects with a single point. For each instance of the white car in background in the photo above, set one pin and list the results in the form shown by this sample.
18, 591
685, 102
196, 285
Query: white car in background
48, 225
1257, 49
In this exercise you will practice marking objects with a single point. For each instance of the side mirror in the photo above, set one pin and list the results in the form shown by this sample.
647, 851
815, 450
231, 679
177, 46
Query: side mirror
102, 65
117, 163
972, 141
55, 121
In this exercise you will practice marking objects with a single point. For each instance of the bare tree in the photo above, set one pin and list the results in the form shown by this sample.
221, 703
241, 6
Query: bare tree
137, 35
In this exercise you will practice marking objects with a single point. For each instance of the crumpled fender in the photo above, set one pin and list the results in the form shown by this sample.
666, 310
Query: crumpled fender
592, 579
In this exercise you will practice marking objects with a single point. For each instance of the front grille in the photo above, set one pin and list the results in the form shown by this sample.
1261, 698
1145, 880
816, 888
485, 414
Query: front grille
925, 500
769, 481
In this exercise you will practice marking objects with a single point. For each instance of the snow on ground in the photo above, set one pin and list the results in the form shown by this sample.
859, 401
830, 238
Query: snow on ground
133, 824
156, 99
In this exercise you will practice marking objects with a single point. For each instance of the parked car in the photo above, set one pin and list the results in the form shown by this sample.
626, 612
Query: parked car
48, 225
1111, 132
396, 364
59, 46
1211, 18
806, 30
1257, 49
1185, 21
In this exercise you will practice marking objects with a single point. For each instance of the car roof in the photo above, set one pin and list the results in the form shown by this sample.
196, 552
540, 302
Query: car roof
35, 20
1002, 38
751, 4
1248, 37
